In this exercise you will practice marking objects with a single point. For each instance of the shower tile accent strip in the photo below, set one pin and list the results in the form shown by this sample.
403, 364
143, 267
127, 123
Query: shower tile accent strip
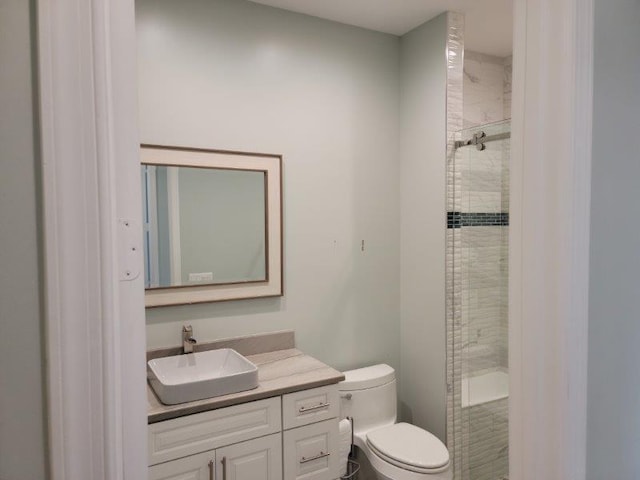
492, 219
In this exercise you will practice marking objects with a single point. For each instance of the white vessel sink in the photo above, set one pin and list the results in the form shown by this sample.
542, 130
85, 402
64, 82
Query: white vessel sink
194, 376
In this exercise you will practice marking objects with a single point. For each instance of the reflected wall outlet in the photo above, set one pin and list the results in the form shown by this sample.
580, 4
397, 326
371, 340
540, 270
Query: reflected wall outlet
201, 277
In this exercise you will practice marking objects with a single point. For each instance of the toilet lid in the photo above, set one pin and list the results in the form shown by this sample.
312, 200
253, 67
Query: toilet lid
410, 446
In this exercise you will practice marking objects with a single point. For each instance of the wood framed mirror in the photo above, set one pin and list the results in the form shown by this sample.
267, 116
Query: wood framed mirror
212, 225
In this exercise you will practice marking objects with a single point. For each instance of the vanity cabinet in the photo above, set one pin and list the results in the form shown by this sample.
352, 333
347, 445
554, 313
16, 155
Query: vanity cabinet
191, 434
258, 459
195, 467
290, 437
311, 452
309, 406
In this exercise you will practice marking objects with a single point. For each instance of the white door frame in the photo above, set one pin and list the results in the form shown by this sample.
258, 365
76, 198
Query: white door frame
549, 238
94, 304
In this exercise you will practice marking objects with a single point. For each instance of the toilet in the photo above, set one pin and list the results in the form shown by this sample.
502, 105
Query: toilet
396, 451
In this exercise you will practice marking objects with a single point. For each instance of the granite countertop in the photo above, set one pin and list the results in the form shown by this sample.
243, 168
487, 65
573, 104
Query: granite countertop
279, 372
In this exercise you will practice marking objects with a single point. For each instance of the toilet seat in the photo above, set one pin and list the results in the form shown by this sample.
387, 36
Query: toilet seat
409, 447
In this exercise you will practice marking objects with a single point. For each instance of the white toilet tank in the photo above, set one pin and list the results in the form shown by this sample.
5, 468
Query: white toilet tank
368, 395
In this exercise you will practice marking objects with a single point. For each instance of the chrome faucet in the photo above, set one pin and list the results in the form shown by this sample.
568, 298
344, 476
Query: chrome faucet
187, 339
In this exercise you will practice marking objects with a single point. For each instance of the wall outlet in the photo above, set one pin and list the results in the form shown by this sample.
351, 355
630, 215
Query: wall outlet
201, 277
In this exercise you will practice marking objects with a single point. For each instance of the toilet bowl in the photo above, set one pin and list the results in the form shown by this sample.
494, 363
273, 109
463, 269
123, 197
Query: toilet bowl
396, 451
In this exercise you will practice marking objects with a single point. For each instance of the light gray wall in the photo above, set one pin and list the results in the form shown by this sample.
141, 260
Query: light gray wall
22, 432
235, 75
422, 186
613, 424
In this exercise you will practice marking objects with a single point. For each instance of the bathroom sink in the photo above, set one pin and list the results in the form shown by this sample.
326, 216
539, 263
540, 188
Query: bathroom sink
194, 376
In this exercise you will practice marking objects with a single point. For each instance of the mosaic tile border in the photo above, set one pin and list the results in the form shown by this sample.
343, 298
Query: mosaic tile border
493, 219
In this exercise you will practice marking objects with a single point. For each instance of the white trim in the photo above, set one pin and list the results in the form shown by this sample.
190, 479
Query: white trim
94, 322
173, 210
549, 237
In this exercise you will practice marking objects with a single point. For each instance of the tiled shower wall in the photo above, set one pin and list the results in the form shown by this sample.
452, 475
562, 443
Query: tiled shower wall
488, 442
485, 189
487, 89
455, 81
478, 193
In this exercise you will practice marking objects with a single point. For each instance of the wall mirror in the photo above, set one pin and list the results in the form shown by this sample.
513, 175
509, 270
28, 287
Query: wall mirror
212, 225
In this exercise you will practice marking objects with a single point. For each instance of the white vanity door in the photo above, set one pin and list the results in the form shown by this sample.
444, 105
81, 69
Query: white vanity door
259, 459
195, 467
311, 452
201, 432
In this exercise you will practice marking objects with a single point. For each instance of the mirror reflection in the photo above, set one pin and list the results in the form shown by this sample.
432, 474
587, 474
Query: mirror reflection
203, 226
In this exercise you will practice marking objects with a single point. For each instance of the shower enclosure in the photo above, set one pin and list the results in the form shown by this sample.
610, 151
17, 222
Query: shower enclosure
477, 278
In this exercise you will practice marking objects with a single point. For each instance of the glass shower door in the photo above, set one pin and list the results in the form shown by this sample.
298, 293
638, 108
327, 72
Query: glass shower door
481, 262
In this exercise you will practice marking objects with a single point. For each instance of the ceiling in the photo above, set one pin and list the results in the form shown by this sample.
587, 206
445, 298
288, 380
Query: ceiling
489, 23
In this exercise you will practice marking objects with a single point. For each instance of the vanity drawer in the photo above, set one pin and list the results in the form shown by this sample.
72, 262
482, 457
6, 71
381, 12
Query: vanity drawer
200, 432
311, 452
310, 406
195, 467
